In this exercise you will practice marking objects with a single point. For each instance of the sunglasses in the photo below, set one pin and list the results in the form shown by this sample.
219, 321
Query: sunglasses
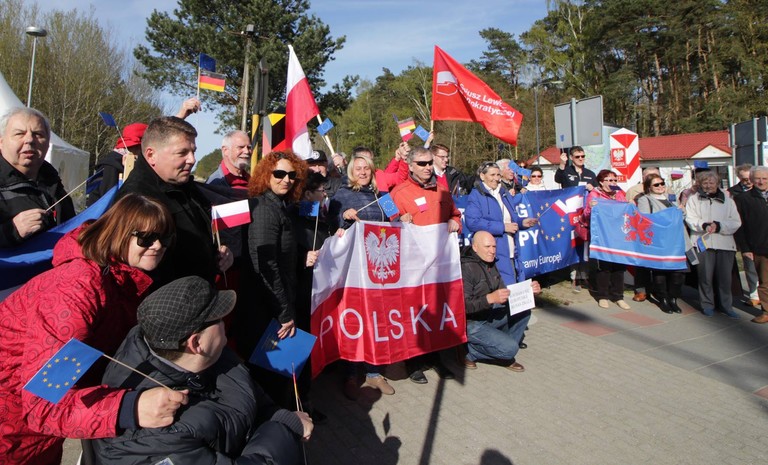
662, 183
611, 180
146, 239
425, 163
579, 156
535, 175
281, 174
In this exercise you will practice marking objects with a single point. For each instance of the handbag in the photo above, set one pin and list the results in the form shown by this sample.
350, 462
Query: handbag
581, 228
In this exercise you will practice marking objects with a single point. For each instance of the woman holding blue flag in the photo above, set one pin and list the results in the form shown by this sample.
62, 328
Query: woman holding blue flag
489, 208
667, 285
357, 200
609, 276
99, 277
713, 219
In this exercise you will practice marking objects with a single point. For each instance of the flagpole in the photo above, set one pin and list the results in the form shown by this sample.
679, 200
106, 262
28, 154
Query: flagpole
73, 190
325, 137
136, 371
317, 221
367, 205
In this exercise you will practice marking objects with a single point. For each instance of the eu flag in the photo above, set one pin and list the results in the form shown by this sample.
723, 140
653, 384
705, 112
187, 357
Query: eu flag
109, 120
207, 63
388, 205
325, 126
283, 356
62, 371
309, 208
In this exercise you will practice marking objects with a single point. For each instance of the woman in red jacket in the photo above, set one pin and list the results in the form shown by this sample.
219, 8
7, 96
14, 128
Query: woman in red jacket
91, 294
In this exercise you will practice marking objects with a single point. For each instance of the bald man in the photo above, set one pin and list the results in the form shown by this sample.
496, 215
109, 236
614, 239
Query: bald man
492, 334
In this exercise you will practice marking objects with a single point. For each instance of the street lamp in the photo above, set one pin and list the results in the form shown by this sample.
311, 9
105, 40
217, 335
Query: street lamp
536, 109
34, 32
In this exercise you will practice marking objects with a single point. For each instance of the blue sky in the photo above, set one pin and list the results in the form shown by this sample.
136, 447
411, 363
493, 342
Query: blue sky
380, 33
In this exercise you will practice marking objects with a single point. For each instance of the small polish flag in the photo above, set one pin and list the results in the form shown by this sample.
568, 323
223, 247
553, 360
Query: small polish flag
231, 214
421, 202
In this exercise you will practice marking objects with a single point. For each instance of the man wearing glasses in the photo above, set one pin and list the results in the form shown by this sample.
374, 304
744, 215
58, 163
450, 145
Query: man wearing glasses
164, 172
575, 173
452, 179
423, 201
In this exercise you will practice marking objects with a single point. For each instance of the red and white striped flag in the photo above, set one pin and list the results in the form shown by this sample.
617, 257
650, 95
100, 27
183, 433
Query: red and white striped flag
385, 292
300, 107
229, 215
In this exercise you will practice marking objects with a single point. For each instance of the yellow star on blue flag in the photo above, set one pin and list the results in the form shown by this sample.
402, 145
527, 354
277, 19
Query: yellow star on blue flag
63, 370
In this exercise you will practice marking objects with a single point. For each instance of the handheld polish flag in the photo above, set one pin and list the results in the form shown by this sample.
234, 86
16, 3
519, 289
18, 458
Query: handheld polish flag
300, 107
231, 214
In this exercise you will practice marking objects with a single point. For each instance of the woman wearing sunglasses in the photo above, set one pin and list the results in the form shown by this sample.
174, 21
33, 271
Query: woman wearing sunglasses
98, 279
667, 285
536, 180
609, 276
268, 280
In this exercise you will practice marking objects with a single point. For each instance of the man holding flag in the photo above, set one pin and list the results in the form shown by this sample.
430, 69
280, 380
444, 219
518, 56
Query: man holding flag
164, 172
29, 185
421, 200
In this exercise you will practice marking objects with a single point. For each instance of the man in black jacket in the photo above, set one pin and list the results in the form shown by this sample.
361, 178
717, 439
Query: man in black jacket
575, 173
457, 182
164, 172
180, 342
752, 236
29, 185
492, 334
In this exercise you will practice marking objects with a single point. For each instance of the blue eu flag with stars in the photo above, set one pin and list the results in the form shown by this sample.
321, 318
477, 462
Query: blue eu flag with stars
62, 371
388, 205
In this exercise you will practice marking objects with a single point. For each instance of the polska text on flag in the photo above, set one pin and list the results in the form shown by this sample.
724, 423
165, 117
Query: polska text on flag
550, 245
374, 300
459, 95
300, 107
621, 234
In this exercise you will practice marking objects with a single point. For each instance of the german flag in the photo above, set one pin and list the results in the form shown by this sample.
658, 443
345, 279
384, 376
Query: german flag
211, 81
274, 133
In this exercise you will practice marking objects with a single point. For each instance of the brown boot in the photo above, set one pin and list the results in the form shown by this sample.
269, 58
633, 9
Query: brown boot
761, 319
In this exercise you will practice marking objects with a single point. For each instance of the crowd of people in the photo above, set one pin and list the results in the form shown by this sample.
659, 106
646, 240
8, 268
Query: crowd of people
152, 284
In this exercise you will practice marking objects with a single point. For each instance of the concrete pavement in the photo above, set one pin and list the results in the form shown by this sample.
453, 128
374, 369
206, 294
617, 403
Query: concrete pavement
601, 386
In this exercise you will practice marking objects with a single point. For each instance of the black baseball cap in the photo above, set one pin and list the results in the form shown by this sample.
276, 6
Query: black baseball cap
179, 309
317, 156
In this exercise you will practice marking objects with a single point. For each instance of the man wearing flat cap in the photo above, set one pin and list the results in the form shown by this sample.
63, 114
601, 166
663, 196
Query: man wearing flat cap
180, 342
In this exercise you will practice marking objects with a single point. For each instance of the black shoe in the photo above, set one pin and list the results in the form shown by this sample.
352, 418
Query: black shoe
673, 305
523, 345
443, 371
664, 305
418, 377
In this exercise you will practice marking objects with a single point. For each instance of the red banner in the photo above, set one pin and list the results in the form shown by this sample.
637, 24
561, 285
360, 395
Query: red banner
459, 95
386, 293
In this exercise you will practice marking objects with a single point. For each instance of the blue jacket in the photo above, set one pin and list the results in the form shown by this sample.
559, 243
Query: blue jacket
347, 198
484, 214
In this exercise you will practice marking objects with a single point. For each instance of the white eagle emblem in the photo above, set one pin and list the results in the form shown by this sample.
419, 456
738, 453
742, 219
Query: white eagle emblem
382, 254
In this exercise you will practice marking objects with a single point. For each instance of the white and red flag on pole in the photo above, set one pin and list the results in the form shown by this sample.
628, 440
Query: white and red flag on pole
300, 107
459, 95
385, 292
229, 215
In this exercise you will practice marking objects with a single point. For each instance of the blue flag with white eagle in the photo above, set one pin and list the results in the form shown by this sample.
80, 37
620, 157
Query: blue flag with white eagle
621, 234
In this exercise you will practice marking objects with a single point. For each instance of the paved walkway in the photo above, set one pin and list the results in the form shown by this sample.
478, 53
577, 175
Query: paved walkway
600, 387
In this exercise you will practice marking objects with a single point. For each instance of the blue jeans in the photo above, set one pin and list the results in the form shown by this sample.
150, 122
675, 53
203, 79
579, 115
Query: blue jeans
497, 337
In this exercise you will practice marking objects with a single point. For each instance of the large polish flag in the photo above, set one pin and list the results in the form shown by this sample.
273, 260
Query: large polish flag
385, 292
300, 107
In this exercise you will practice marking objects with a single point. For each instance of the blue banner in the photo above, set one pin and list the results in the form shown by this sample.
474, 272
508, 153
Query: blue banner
621, 234
550, 245
19, 264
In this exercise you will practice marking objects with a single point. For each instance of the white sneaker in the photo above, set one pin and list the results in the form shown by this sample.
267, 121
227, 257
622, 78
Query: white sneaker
623, 304
603, 303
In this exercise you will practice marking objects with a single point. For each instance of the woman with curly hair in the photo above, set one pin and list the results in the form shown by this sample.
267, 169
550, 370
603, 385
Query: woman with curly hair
268, 284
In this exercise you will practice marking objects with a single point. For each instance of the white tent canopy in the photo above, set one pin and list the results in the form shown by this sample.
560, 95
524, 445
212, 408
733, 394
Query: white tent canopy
69, 161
